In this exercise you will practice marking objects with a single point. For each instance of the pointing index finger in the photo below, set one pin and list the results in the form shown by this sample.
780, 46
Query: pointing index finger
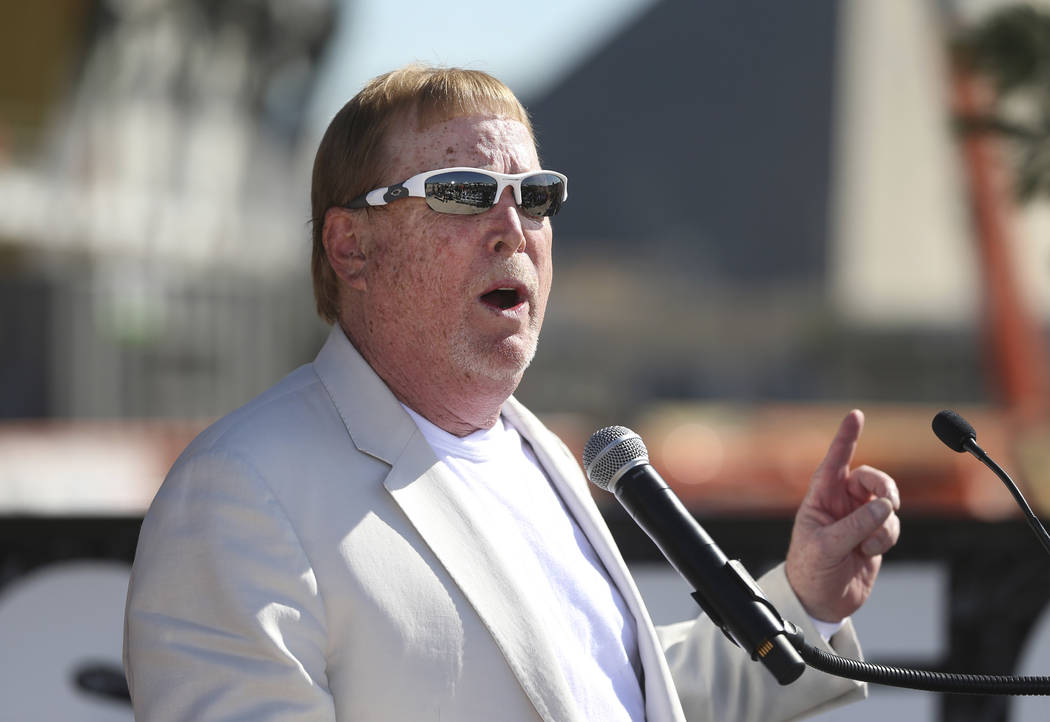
840, 453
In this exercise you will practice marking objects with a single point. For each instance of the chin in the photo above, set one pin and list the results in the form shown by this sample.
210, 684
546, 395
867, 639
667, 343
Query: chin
502, 370
506, 363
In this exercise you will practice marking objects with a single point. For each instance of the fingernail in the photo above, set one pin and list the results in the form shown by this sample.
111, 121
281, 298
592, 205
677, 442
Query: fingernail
880, 509
870, 547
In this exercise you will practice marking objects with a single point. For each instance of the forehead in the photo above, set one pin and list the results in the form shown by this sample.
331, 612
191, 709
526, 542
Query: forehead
479, 141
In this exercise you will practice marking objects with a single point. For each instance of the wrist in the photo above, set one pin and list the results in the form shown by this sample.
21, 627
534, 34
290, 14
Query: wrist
827, 630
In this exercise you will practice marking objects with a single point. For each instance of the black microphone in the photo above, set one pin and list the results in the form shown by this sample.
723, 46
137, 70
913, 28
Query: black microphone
958, 435
955, 431
615, 458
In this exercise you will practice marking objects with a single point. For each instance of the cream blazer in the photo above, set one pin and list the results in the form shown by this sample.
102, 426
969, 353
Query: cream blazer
307, 558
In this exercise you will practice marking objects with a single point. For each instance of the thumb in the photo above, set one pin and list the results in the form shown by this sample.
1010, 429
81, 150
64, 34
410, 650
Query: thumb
847, 533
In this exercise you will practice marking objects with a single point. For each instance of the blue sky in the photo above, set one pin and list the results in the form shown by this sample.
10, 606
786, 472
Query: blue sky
529, 47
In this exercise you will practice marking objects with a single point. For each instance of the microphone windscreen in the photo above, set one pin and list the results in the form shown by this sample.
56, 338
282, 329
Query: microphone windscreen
953, 430
608, 451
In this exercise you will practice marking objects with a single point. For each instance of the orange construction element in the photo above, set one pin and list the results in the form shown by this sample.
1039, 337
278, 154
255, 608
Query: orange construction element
1017, 357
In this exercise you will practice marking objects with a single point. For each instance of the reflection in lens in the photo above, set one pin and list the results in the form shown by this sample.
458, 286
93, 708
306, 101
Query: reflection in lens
541, 194
460, 192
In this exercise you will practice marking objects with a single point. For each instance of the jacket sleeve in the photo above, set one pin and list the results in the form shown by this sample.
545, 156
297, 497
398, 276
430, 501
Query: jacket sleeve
718, 681
224, 620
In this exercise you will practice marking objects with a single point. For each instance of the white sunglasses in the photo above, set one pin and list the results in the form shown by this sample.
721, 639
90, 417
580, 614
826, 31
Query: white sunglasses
472, 190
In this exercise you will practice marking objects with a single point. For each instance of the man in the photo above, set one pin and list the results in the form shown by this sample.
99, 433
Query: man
387, 534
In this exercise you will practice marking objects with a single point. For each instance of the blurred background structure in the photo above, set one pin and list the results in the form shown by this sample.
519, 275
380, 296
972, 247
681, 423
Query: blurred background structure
779, 212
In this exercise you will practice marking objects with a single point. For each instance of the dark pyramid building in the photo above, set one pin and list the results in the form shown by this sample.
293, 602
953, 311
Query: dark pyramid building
702, 133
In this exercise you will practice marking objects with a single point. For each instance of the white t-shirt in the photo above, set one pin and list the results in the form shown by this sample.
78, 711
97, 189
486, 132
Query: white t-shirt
599, 649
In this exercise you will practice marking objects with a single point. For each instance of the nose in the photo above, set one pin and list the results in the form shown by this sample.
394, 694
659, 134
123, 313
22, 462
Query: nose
507, 235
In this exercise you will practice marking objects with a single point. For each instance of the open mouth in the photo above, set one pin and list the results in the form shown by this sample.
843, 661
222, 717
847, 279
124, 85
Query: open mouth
502, 298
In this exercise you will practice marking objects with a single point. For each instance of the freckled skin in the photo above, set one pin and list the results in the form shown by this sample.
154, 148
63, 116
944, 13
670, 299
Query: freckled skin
415, 314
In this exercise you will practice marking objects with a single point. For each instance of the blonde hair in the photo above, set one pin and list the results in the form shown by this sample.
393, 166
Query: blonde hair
350, 159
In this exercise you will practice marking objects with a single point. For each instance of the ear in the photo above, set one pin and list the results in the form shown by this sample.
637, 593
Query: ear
342, 243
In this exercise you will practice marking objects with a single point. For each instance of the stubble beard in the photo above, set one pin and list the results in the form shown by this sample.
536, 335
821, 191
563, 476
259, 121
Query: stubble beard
502, 361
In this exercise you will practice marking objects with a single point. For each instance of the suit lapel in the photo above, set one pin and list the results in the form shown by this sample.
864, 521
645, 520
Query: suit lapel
661, 698
456, 531
450, 523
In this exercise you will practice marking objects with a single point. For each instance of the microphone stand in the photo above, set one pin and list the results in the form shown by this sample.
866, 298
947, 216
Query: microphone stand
1034, 524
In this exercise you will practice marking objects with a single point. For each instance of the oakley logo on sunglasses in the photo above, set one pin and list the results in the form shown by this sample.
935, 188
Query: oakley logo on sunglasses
463, 191
394, 192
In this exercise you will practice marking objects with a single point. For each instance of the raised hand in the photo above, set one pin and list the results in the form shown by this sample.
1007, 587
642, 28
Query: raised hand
845, 523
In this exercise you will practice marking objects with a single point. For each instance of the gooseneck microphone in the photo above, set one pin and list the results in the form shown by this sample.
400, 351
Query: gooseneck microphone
954, 431
615, 459
958, 435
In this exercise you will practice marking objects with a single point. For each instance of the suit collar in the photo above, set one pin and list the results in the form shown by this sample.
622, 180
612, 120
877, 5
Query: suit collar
377, 424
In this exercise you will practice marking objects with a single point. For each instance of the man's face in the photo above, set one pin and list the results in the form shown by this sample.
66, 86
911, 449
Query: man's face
456, 296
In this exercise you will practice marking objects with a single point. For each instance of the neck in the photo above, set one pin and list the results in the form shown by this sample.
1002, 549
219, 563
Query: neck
460, 402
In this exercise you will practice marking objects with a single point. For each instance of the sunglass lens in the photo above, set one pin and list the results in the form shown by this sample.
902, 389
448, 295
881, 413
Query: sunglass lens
460, 192
541, 194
